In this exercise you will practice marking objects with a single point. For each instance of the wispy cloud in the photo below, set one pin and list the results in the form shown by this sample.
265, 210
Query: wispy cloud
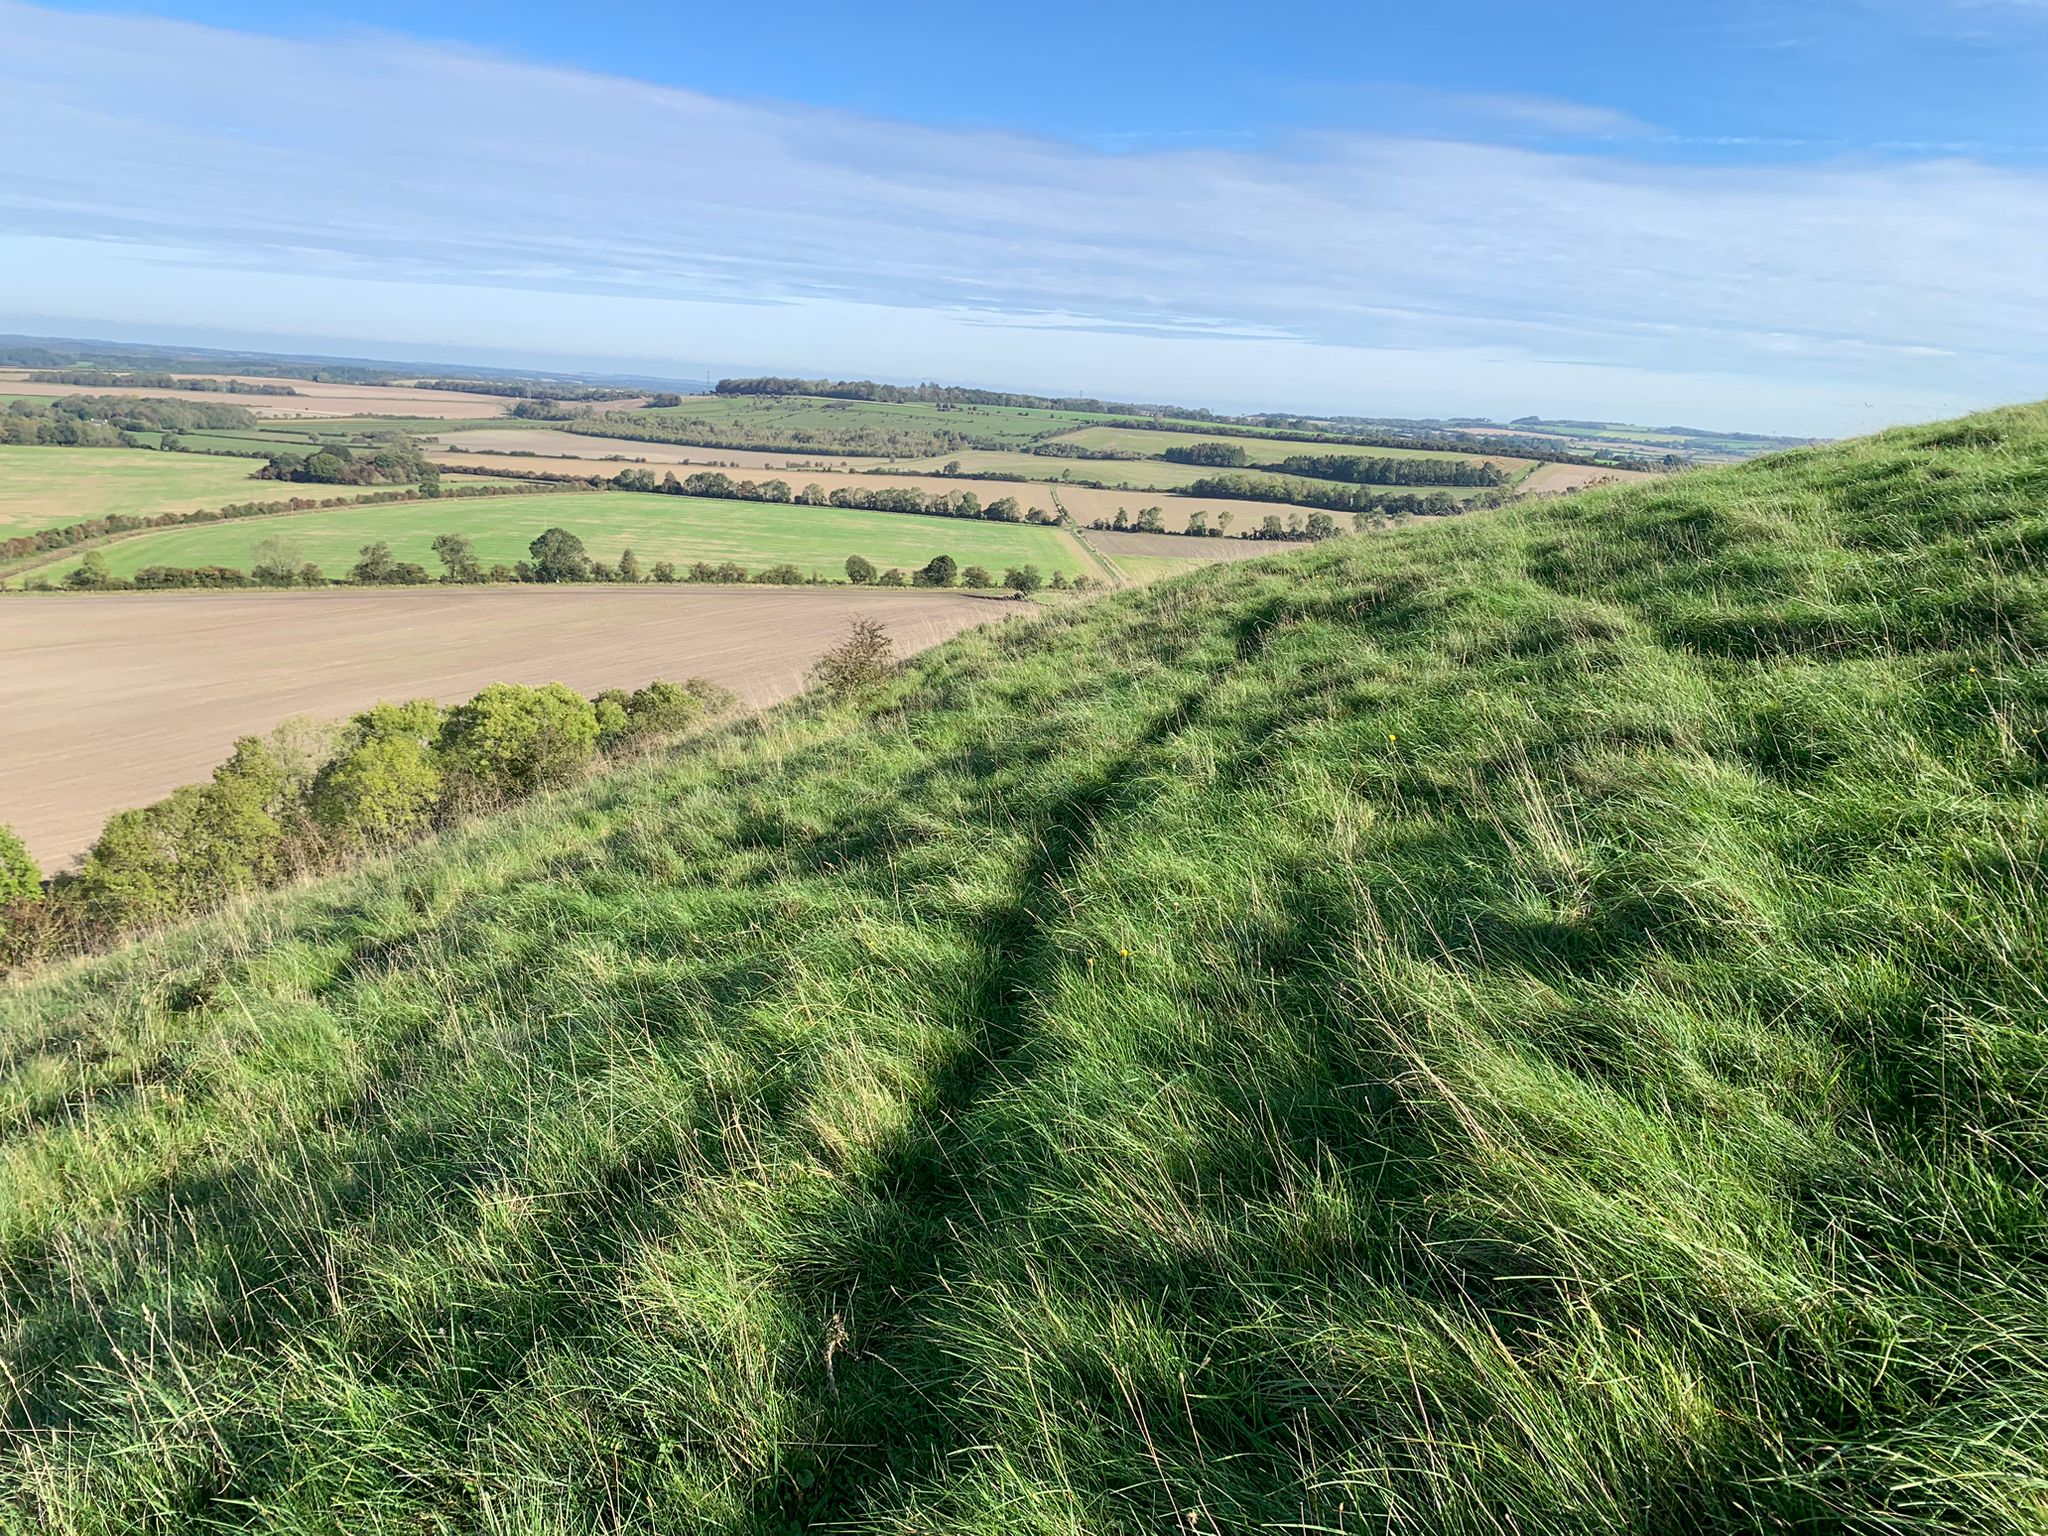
375, 158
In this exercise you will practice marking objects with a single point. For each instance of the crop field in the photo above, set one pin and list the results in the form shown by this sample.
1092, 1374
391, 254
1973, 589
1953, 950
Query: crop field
112, 701
309, 399
544, 443
678, 528
50, 487
1259, 449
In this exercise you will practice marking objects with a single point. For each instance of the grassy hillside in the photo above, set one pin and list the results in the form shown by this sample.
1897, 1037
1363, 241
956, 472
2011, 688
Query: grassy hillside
1536, 1023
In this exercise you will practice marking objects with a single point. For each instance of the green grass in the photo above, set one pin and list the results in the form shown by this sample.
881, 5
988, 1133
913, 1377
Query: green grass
679, 528
789, 417
52, 487
1531, 1024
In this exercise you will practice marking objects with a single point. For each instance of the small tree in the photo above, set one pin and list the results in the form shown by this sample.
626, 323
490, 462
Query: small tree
379, 792
940, 571
976, 576
859, 570
373, 566
665, 571
20, 880
92, 574
558, 555
629, 566
276, 562
858, 663
458, 558
1023, 580
892, 577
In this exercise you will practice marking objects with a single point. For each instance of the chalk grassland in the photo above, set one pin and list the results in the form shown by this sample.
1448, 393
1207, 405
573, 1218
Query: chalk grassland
51, 487
1529, 1024
114, 701
310, 400
678, 528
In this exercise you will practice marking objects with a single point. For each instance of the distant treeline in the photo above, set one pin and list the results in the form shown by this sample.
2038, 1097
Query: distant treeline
1503, 445
310, 798
1338, 498
1363, 471
111, 421
941, 394
1055, 449
100, 377
534, 389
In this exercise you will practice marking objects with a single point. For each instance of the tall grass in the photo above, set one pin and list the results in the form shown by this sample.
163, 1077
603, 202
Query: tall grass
1537, 1023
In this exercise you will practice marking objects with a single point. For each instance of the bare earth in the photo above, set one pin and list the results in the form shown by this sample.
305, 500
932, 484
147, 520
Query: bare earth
111, 702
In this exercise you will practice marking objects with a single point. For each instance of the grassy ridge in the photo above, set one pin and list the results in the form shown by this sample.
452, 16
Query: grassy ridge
1533, 1023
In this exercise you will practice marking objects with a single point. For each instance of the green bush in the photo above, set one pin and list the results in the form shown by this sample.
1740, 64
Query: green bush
512, 740
859, 570
383, 790
940, 571
20, 880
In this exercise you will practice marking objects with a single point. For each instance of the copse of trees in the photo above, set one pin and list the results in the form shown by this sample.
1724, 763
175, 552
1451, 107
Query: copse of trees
98, 378
111, 421
1214, 455
280, 808
398, 462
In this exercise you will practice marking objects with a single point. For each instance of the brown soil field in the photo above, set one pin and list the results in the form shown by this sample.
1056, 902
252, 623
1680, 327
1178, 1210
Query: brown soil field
1555, 479
111, 702
1167, 546
311, 400
487, 443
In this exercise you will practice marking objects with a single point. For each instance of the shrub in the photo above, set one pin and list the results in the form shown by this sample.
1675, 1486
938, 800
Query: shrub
890, 578
858, 663
383, 790
1023, 580
781, 576
629, 567
511, 739
940, 571
859, 570
976, 576
664, 571
92, 573
20, 880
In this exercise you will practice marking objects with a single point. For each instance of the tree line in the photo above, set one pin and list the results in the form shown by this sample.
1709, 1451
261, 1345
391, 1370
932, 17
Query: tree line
96, 378
309, 798
940, 394
397, 462
865, 440
112, 421
719, 486
1334, 497
531, 389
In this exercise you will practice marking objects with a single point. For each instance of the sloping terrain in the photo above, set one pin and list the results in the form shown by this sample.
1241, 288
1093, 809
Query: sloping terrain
1530, 1023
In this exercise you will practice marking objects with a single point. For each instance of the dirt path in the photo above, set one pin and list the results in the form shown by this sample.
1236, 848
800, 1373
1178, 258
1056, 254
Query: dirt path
109, 702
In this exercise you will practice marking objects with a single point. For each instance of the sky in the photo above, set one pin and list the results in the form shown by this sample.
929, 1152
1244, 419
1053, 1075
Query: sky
1806, 216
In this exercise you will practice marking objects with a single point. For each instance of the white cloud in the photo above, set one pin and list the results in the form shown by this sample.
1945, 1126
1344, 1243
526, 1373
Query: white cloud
377, 187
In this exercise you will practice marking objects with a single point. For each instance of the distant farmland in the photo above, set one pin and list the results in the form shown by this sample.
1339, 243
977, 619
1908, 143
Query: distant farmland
308, 399
51, 487
678, 528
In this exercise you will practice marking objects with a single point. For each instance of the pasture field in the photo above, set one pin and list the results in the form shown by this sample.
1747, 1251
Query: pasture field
50, 487
678, 528
545, 443
113, 701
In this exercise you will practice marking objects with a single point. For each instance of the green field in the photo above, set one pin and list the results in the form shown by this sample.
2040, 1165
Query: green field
51, 487
790, 416
678, 528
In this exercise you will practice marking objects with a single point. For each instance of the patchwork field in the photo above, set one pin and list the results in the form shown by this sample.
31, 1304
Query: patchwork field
309, 399
114, 701
532, 447
678, 528
1268, 450
50, 487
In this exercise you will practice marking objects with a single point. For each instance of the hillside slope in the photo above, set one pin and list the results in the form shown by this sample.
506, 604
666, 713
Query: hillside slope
1534, 1023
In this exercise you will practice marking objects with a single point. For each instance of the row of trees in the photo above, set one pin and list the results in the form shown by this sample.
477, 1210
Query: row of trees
944, 571
1317, 525
1334, 497
307, 799
936, 394
530, 389
856, 439
717, 485
1364, 471
100, 378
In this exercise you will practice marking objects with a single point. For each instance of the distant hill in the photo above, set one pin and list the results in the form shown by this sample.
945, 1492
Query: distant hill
1533, 1022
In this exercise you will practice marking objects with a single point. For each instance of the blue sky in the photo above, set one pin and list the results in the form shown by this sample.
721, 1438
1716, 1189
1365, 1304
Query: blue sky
1809, 217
